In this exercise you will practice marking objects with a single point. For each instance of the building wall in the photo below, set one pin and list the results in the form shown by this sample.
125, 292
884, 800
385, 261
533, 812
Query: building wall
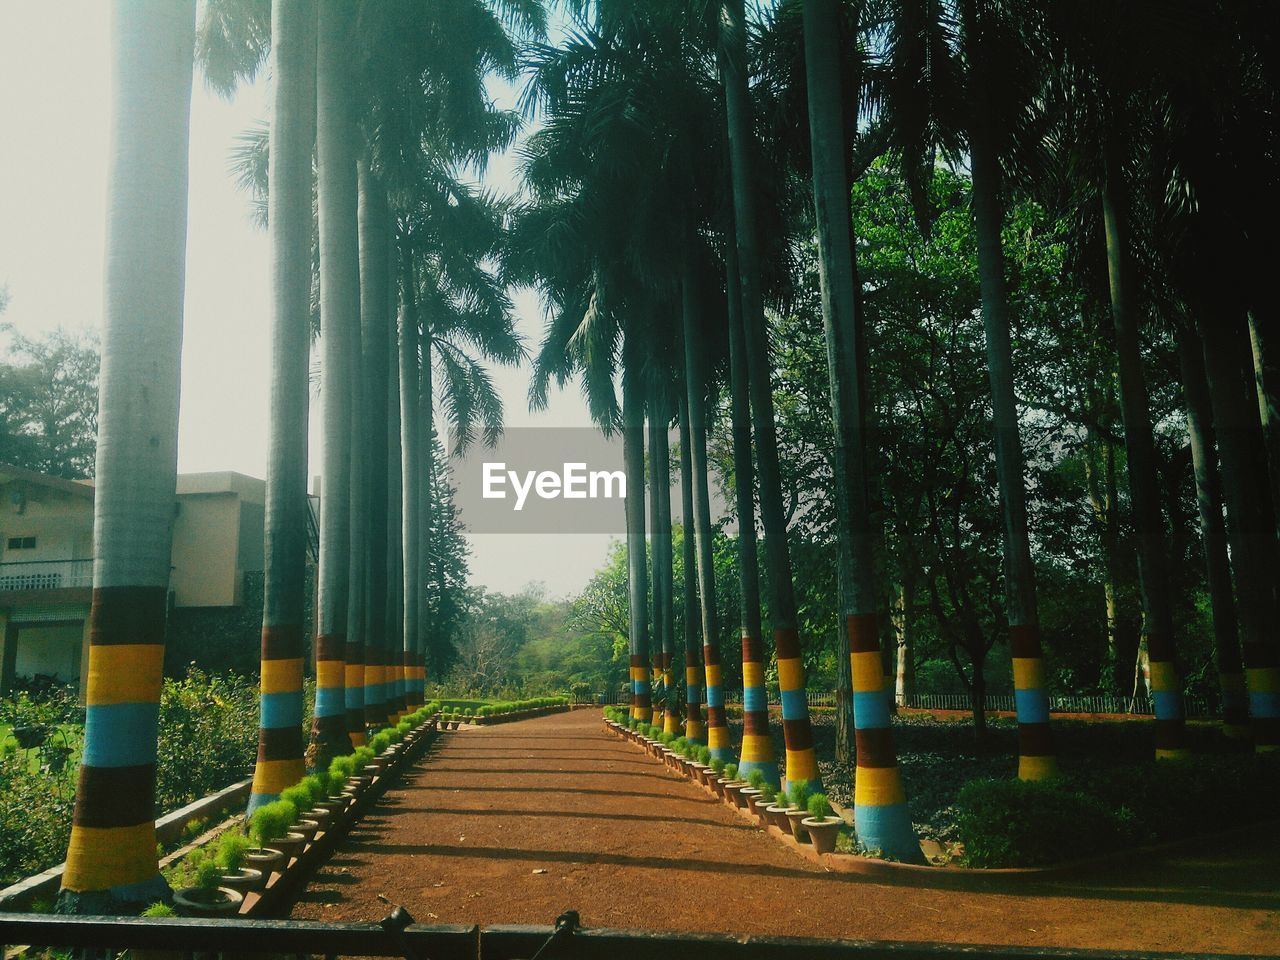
53, 649
206, 537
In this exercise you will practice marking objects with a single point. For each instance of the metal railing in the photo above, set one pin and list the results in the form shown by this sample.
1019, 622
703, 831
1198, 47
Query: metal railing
46, 574
399, 936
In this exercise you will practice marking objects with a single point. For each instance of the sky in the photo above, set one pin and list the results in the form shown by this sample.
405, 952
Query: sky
54, 85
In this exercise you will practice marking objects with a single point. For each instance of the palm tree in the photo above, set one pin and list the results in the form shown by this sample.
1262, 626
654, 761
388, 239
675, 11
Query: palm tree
412, 485
633, 411
337, 677
290, 221
663, 611
695, 730
396, 697
111, 856
802, 766
881, 815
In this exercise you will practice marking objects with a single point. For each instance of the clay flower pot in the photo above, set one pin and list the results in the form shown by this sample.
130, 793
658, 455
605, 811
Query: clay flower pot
746, 798
371, 771
306, 828
760, 807
822, 831
244, 880
290, 845
795, 819
333, 806
198, 902
733, 792
267, 860
717, 783
778, 816
321, 815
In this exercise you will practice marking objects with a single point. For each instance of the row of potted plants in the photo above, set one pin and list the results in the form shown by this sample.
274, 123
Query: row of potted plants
215, 883
502, 712
798, 813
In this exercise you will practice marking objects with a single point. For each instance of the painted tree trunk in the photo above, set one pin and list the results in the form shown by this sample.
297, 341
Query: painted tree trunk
1037, 758
695, 374
359, 674
427, 507
1202, 436
395, 521
1166, 684
880, 809
1250, 524
1264, 339
757, 744
695, 730
292, 137
665, 614
111, 857
637, 563
339, 314
656, 582
411, 461
375, 328
801, 761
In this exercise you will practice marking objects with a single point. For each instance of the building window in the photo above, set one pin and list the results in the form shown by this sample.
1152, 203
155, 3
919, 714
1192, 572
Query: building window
22, 543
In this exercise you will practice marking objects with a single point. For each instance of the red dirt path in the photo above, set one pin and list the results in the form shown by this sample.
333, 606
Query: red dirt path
519, 822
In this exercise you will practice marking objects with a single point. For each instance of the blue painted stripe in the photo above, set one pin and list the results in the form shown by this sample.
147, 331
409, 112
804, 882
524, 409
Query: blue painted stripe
887, 828
694, 695
794, 705
754, 700
1167, 703
329, 702
282, 709
120, 734
870, 710
1032, 705
715, 697
770, 771
257, 800
722, 753
1263, 704
354, 697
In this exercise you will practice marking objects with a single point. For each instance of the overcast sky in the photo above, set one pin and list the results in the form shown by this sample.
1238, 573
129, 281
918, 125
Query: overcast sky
53, 124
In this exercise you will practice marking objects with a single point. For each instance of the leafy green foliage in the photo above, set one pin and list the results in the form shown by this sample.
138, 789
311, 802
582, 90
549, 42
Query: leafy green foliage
271, 821
232, 846
818, 806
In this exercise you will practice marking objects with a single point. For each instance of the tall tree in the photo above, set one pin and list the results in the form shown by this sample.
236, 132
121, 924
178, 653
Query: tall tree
290, 221
695, 729
111, 857
633, 412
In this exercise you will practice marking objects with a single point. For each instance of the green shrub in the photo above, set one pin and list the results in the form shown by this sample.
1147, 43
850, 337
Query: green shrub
818, 806
704, 756
768, 793
1021, 823
731, 771
232, 846
380, 742
159, 909
317, 785
363, 757
756, 778
271, 821
717, 765
298, 796
208, 875
798, 793
342, 769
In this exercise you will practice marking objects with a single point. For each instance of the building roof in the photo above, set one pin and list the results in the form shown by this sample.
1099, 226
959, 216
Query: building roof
250, 489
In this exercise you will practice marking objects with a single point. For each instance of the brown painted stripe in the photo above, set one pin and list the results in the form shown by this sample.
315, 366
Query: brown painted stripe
1256, 654
331, 726
282, 641
715, 717
711, 655
875, 747
797, 734
1035, 740
787, 643
115, 796
331, 646
1024, 642
127, 615
355, 720
1159, 647
864, 633
1266, 730
643, 700
637, 660
279, 743
755, 723
752, 649
353, 652
1171, 734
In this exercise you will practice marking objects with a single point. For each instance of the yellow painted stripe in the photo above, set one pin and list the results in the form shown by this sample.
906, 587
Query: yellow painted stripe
1037, 768
272, 776
1179, 754
877, 786
868, 676
756, 747
1263, 679
329, 673
713, 675
717, 737
281, 676
790, 674
639, 673
1231, 682
358, 738
692, 676
353, 675
802, 765
124, 673
1028, 673
1266, 747
695, 730
99, 858
752, 674
1164, 675
672, 723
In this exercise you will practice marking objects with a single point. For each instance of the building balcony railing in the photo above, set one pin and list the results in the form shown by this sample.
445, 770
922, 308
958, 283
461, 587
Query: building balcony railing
46, 575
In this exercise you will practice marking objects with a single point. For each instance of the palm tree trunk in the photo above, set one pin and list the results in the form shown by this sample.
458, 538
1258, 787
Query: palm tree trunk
293, 51
427, 505
757, 743
411, 459
1166, 685
656, 582
1037, 758
1201, 434
111, 858
637, 563
880, 809
695, 383
339, 315
395, 523
360, 676
664, 614
1250, 524
375, 324
695, 730
802, 763
1264, 339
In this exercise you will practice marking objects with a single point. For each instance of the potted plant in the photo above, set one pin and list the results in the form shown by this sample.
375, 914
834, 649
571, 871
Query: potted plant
269, 828
206, 897
761, 804
822, 826
747, 795
715, 779
732, 786
232, 847
779, 809
299, 797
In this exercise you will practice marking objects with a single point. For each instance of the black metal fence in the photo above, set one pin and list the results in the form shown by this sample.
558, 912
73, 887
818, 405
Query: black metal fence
398, 936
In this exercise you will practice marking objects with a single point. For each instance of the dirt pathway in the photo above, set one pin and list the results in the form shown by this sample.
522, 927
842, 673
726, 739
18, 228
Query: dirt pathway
519, 822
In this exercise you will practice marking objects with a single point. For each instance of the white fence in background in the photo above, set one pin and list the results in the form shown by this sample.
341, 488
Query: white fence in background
46, 574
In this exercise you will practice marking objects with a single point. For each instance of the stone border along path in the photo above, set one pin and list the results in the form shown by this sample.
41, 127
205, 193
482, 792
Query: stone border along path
517, 823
